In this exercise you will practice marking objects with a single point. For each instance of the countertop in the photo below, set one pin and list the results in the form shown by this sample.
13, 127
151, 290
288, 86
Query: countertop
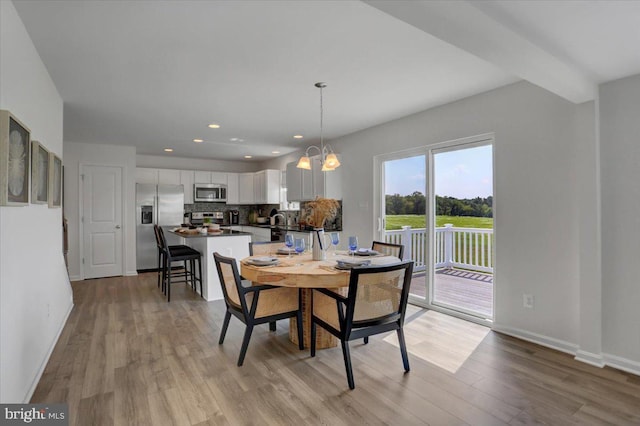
224, 233
289, 228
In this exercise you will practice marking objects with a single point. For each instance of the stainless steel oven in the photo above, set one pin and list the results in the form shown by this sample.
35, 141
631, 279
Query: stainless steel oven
209, 193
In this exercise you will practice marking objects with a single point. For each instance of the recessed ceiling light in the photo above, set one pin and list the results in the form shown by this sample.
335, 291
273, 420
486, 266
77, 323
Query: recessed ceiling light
298, 136
248, 156
198, 140
233, 139
168, 150
214, 126
275, 152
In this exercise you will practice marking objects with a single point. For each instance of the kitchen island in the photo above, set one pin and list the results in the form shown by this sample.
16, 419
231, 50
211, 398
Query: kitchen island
228, 243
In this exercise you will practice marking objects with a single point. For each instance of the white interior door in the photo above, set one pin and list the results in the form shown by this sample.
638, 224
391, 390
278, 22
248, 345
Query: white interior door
102, 221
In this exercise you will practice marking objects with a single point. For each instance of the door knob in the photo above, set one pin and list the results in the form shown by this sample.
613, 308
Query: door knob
117, 226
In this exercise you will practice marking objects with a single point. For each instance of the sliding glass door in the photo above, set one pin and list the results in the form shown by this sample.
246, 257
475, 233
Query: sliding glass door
438, 202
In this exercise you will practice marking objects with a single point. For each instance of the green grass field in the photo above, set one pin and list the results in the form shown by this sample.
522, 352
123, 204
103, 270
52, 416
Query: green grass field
419, 221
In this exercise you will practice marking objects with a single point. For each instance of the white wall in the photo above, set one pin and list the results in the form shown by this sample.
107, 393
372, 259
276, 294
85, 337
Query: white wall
35, 295
620, 156
77, 154
182, 163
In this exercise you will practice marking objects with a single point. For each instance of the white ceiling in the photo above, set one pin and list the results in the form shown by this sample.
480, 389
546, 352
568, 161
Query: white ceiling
154, 73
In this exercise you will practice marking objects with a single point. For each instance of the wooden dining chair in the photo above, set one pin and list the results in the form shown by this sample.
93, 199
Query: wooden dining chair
388, 249
375, 302
255, 304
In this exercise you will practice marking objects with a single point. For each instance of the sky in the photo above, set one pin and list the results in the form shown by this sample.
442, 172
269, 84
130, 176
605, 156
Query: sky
466, 173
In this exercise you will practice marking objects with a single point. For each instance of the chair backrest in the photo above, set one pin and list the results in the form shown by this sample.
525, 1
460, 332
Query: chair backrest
378, 294
230, 281
388, 249
264, 247
160, 241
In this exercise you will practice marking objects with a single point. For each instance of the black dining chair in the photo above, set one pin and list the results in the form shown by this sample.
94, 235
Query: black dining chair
167, 255
255, 304
375, 302
388, 249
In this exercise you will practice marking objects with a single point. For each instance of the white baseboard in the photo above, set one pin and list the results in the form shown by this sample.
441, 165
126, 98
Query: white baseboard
623, 364
590, 358
538, 339
597, 360
38, 376
75, 278
131, 273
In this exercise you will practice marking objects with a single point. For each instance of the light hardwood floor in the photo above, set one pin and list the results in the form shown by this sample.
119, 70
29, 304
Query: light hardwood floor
127, 357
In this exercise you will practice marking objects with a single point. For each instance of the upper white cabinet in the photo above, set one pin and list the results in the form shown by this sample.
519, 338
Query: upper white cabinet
245, 188
187, 180
144, 175
233, 189
168, 177
299, 183
210, 177
266, 187
305, 185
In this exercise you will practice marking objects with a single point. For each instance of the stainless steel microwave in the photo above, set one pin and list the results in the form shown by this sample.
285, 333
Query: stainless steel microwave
209, 193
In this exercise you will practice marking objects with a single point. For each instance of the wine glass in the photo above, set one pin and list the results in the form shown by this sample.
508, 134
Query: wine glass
353, 245
288, 241
335, 240
299, 245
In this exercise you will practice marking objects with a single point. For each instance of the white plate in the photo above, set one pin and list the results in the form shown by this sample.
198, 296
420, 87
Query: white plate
348, 264
263, 261
366, 252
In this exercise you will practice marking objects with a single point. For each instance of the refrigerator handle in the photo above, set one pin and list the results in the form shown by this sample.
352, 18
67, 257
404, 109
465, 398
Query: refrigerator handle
156, 213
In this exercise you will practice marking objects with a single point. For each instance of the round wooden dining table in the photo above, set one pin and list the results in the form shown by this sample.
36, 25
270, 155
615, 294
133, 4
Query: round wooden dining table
301, 271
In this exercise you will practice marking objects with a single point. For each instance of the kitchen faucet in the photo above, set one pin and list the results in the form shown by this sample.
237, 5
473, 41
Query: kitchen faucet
284, 219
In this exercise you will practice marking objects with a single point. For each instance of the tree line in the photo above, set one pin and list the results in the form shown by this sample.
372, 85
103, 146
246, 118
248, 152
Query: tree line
416, 203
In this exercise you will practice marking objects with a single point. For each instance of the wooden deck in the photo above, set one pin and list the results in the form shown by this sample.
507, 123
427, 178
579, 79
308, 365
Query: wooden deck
472, 291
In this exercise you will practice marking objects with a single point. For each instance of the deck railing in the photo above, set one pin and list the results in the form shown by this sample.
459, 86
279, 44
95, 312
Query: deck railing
467, 248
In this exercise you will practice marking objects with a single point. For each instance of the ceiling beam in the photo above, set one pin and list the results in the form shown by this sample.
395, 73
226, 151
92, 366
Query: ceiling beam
461, 24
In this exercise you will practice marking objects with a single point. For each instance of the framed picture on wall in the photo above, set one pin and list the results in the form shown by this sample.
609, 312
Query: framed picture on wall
39, 173
15, 159
55, 181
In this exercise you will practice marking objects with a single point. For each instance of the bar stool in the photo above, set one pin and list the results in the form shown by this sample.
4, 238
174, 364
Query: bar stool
161, 252
178, 253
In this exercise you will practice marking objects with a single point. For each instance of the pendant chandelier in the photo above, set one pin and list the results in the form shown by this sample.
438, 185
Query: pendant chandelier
329, 160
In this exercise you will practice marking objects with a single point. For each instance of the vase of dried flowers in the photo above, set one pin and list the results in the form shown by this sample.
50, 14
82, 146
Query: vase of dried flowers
318, 212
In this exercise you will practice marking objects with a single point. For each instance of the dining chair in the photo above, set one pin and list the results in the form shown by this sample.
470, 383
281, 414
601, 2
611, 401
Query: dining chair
257, 248
167, 255
356, 314
254, 304
388, 249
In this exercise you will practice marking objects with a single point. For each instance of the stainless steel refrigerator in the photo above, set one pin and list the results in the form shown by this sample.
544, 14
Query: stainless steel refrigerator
161, 205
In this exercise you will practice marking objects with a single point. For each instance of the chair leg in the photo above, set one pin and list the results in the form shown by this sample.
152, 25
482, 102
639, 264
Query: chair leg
300, 333
225, 325
366, 340
186, 272
245, 344
312, 337
168, 280
192, 277
272, 326
200, 275
347, 363
403, 349
159, 269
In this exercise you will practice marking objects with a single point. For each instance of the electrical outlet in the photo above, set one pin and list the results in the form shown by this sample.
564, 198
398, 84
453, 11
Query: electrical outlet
527, 301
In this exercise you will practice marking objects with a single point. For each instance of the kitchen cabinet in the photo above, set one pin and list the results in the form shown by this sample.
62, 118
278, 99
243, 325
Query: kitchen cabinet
258, 234
266, 187
186, 179
145, 175
168, 177
305, 185
233, 189
246, 193
201, 176
299, 183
